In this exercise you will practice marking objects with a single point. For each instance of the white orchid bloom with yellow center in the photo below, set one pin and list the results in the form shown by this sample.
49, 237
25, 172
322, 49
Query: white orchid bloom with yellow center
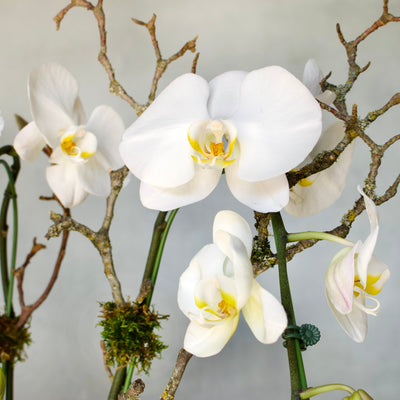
256, 126
355, 275
218, 284
319, 191
83, 151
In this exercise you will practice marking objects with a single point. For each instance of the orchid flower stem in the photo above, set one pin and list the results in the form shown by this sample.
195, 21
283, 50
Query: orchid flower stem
160, 249
297, 374
129, 374
118, 381
314, 391
295, 237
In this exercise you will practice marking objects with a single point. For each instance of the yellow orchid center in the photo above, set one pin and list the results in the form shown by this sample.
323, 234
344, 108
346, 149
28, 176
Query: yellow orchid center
213, 142
78, 144
226, 308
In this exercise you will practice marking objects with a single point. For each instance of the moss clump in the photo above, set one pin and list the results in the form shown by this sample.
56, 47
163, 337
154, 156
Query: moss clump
128, 331
12, 339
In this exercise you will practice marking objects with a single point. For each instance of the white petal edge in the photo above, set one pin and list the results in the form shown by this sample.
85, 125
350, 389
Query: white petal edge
368, 246
327, 185
236, 225
312, 76
64, 182
55, 104
278, 123
264, 314
29, 142
108, 127
164, 199
269, 195
207, 341
225, 94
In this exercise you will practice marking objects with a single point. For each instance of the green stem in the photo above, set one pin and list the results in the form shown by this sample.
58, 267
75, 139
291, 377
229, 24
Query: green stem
295, 237
296, 367
13, 195
129, 375
314, 391
158, 255
118, 381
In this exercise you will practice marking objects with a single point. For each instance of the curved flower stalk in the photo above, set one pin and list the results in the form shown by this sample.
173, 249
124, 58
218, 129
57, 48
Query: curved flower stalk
256, 126
218, 284
319, 191
83, 151
355, 275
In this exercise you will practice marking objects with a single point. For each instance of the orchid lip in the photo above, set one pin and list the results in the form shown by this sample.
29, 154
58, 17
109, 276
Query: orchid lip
78, 144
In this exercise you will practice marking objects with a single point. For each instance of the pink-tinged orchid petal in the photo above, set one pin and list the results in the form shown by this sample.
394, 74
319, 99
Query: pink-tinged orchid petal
202, 184
235, 225
155, 148
278, 121
339, 279
29, 142
205, 341
319, 191
354, 323
367, 248
264, 196
108, 127
55, 104
225, 94
64, 181
264, 314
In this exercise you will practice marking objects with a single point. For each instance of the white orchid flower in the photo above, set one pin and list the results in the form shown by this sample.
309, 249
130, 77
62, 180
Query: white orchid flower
218, 284
319, 191
83, 151
355, 275
256, 126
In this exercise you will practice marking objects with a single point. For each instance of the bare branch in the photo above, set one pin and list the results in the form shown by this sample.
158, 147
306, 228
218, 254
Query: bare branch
175, 380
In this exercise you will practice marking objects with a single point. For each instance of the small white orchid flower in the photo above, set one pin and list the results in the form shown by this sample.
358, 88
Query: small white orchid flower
319, 191
256, 126
218, 284
355, 275
82, 152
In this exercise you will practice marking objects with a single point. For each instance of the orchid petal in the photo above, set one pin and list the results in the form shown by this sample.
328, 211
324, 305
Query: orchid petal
94, 176
319, 191
29, 142
108, 127
367, 247
64, 181
327, 97
202, 184
339, 279
155, 148
264, 314
269, 195
354, 323
235, 225
241, 265
312, 76
224, 94
278, 130
378, 274
1, 123
55, 104
205, 341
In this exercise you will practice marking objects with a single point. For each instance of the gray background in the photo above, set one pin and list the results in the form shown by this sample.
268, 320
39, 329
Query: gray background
65, 360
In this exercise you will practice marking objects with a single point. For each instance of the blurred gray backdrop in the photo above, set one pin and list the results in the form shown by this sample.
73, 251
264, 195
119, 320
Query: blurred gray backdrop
65, 361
